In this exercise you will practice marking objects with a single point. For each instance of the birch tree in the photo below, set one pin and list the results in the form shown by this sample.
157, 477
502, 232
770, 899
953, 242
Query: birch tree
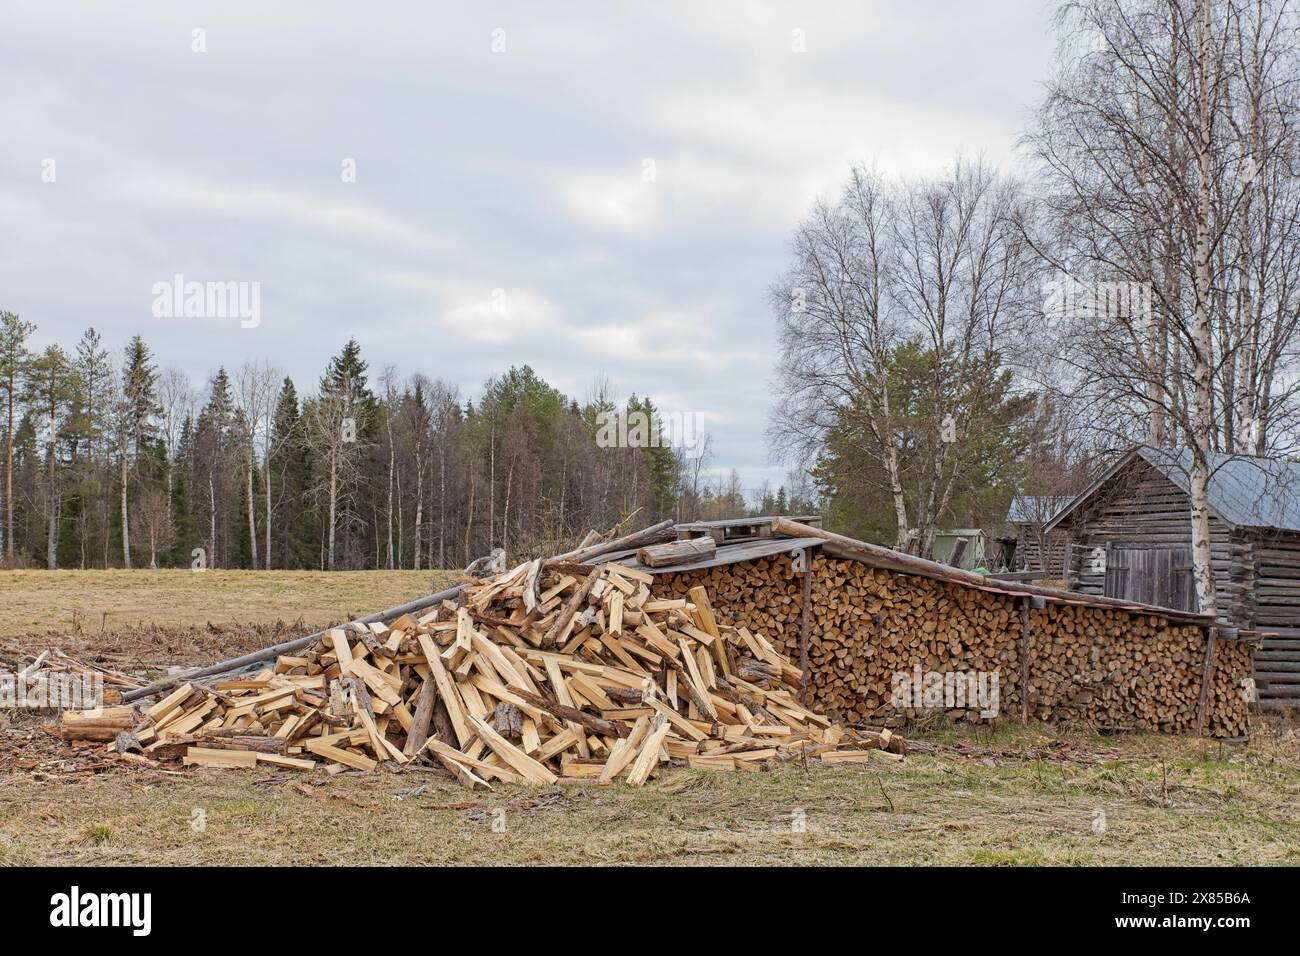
931, 274
1167, 152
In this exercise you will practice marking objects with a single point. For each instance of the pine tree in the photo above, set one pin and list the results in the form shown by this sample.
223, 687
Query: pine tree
290, 482
88, 421
185, 531
14, 360
212, 468
48, 393
138, 405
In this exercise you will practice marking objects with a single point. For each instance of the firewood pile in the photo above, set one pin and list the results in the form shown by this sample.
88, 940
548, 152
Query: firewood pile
1106, 666
550, 673
54, 680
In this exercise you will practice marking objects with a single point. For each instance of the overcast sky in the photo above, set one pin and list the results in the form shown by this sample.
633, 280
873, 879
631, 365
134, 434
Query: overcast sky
593, 189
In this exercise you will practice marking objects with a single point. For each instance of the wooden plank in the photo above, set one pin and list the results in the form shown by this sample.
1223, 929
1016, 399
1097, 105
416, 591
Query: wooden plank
516, 758
206, 757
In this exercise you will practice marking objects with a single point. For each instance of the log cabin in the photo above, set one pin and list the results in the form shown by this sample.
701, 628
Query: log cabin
1128, 536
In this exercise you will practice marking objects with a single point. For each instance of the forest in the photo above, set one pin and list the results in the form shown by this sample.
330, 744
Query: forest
112, 460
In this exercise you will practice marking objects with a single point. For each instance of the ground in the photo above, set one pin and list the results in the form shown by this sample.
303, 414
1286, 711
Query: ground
1008, 796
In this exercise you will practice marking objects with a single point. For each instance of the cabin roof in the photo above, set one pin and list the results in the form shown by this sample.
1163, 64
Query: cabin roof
1245, 492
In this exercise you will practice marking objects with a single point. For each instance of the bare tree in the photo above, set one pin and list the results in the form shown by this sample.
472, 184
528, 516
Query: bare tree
178, 400
936, 264
1168, 155
152, 519
255, 400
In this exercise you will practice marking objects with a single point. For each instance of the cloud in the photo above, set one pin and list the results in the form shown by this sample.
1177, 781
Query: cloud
278, 204
521, 171
764, 160
613, 199
478, 313
674, 340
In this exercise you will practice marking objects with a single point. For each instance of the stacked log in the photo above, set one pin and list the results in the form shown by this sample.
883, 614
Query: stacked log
1105, 666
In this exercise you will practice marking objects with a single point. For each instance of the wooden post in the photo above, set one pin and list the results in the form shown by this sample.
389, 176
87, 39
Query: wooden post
1024, 660
1210, 634
805, 626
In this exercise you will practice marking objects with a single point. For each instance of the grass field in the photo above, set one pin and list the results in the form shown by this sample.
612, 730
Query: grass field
36, 602
1010, 796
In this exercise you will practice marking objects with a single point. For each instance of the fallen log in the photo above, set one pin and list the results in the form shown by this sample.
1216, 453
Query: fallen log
677, 552
663, 531
97, 725
287, 647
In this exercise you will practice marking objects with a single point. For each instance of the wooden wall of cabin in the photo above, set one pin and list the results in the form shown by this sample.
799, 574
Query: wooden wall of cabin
1277, 608
1030, 546
1142, 508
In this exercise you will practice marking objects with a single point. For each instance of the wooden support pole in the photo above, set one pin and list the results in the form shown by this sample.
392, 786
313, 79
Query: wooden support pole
1210, 634
1025, 650
805, 626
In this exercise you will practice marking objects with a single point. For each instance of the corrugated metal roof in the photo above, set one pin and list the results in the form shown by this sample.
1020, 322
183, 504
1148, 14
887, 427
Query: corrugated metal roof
1244, 491
725, 554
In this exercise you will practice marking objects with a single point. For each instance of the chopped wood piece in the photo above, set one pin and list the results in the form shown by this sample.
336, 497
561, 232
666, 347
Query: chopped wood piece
546, 674
677, 552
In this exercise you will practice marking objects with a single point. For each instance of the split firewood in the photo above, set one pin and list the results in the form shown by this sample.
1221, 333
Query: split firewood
1104, 665
541, 675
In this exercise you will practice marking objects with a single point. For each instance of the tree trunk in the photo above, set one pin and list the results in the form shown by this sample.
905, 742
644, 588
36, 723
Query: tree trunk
252, 510
212, 521
1202, 359
401, 521
419, 513
469, 520
52, 534
126, 532
505, 519
334, 484
392, 468
8, 532
266, 488
900, 503
442, 506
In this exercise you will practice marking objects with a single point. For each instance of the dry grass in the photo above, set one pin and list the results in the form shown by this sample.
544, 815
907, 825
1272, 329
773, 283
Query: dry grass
65, 602
1165, 801
1013, 796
